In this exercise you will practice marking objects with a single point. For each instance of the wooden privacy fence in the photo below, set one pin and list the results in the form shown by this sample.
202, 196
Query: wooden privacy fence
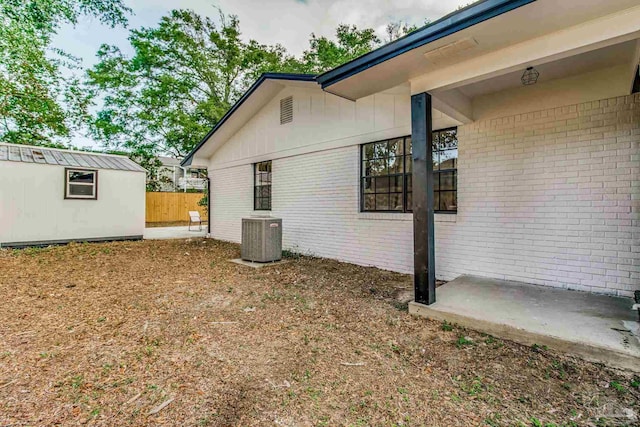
173, 207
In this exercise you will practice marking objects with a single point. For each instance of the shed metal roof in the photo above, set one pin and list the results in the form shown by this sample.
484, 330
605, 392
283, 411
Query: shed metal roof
50, 156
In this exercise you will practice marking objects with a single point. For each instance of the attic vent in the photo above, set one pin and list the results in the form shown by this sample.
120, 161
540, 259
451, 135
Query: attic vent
450, 51
286, 110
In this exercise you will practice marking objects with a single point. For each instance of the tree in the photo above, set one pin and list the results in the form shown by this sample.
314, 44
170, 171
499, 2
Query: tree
324, 53
398, 29
38, 105
184, 75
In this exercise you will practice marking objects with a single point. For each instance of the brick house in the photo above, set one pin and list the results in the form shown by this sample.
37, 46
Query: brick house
530, 111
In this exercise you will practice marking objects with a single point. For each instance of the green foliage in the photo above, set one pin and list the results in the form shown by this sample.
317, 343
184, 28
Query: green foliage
183, 76
398, 29
618, 387
204, 202
324, 53
463, 341
38, 104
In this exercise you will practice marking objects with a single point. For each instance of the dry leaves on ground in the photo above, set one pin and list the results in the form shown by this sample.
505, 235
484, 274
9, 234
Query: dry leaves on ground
107, 334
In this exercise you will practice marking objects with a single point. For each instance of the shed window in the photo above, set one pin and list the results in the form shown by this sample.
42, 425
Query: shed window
262, 186
386, 181
81, 184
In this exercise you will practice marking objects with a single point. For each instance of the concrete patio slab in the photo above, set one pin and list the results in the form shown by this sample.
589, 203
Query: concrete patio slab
595, 327
162, 233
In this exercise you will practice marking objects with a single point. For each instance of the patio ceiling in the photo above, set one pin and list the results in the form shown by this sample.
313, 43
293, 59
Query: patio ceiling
611, 56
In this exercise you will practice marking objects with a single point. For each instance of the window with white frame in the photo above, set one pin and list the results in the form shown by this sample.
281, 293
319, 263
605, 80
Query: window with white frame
81, 184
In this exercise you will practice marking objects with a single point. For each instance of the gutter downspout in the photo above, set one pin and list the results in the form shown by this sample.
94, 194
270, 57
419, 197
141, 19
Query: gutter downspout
208, 204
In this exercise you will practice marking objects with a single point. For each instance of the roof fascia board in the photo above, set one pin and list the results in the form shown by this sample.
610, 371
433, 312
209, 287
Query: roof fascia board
450, 24
266, 76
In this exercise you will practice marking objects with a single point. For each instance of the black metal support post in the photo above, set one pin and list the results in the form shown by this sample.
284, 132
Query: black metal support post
423, 230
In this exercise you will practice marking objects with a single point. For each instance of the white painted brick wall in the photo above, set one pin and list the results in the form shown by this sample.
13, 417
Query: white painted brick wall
231, 199
551, 197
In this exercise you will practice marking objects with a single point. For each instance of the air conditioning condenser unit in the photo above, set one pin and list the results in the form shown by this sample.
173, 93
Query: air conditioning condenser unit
261, 239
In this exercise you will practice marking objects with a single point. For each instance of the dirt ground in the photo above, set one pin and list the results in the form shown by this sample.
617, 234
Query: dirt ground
172, 333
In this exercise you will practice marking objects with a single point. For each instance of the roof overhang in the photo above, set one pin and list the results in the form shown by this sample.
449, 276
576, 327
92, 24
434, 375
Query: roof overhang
450, 24
512, 31
260, 93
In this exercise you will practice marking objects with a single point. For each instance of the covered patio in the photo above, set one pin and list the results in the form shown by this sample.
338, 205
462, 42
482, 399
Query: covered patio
599, 328
547, 126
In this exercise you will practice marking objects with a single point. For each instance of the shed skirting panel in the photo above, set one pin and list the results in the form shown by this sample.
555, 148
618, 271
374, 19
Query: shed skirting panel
20, 245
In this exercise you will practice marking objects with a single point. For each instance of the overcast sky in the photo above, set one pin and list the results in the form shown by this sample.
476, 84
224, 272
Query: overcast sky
287, 22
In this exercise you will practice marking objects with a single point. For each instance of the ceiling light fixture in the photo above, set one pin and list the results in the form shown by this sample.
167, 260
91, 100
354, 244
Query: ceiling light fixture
530, 76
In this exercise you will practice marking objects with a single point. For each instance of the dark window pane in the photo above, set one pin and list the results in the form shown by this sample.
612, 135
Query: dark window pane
396, 147
382, 149
447, 180
395, 165
375, 167
448, 159
382, 185
395, 183
263, 166
387, 173
369, 202
80, 176
395, 201
376, 150
262, 188
81, 190
369, 185
449, 139
448, 201
436, 201
382, 202
263, 178
368, 151
435, 141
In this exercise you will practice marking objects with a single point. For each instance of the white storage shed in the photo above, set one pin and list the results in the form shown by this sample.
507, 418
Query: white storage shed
51, 196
